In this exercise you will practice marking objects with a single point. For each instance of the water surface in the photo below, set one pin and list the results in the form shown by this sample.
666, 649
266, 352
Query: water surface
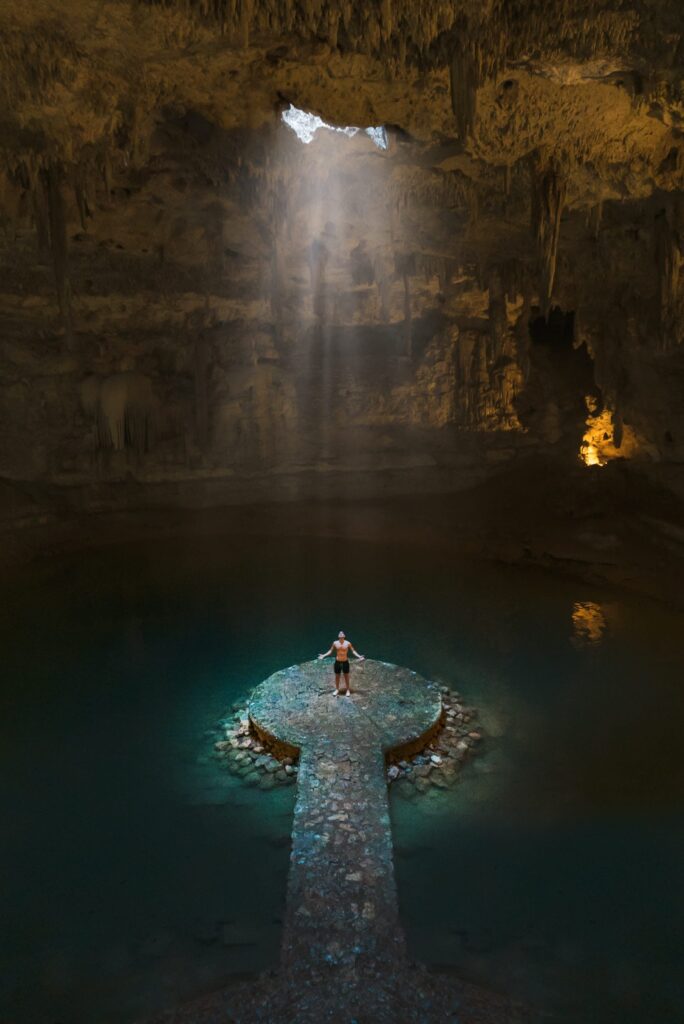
136, 871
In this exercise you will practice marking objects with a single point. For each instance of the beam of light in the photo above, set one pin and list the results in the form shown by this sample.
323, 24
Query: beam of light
305, 126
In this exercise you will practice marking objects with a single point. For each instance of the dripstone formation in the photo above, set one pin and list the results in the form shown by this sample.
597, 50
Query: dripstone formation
199, 308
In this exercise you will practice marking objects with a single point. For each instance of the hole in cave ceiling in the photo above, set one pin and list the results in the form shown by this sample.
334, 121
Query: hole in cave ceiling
305, 126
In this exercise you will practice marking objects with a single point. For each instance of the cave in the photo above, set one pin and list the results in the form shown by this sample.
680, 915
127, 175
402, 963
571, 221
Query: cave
328, 322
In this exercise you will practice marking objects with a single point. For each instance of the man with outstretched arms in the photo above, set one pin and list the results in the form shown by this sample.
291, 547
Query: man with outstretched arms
341, 648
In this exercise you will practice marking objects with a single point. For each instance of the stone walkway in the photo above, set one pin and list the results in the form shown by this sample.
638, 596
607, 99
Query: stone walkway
344, 958
341, 902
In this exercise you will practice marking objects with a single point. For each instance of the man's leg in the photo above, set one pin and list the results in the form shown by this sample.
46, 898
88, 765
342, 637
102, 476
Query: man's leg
336, 677
346, 681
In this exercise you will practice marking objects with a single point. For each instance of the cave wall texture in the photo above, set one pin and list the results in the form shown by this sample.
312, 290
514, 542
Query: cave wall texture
194, 303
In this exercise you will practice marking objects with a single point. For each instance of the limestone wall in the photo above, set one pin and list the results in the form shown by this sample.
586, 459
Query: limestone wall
193, 299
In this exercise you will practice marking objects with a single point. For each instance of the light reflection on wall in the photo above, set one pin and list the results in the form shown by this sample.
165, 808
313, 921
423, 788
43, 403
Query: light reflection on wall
588, 623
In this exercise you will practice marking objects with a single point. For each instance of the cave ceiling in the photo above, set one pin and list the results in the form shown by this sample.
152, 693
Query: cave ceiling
150, 194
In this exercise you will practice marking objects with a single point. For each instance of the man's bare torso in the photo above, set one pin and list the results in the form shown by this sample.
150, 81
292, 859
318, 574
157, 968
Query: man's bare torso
342, 650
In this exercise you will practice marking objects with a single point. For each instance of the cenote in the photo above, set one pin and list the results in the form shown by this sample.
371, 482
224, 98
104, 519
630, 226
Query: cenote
137, 872
322, 317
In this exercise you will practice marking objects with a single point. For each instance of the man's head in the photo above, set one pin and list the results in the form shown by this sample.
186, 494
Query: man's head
340, 635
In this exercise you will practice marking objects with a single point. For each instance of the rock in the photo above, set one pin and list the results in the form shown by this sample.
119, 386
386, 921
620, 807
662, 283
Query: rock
267, 782
222, 745
290, 769
475, 736
393, 773
436, 759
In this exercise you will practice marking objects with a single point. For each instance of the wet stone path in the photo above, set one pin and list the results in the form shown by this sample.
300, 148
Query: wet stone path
341, 901
343, 957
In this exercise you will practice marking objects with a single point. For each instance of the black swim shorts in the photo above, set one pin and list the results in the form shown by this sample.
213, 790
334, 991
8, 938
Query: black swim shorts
341, 666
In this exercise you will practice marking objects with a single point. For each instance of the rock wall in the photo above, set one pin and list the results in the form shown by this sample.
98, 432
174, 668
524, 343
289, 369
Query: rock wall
193, 298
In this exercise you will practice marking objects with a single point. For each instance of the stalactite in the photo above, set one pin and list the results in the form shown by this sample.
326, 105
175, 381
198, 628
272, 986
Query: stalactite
618, 428
548, 198
669, 246
408, 319
333, 27
107, 172
124, 410
245, 21
53, 178
39, 208
10, 205
202, 364
464, 85
594, 219
497, 30
498, 324
386, 19
81, 180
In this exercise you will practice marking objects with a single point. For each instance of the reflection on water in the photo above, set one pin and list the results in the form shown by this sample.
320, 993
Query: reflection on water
588, 622
142, 872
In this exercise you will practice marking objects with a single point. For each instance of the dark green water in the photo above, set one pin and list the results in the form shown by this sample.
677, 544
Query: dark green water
136, 871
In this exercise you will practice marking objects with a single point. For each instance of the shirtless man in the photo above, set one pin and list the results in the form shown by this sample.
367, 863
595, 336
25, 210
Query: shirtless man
341, 648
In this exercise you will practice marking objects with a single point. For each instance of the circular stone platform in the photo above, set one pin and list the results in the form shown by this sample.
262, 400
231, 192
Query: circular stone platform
394, 706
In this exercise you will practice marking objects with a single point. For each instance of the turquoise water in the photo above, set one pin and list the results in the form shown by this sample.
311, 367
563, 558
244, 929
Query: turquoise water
136, 871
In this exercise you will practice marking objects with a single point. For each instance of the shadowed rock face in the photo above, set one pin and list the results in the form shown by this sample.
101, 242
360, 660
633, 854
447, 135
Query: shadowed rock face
194, 300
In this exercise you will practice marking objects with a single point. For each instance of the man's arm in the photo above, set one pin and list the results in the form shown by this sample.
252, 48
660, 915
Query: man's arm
327, 653
361, 657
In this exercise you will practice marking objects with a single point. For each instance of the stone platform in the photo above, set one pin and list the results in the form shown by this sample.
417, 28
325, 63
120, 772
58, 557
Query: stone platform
343, 956
341, 900
392, 708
